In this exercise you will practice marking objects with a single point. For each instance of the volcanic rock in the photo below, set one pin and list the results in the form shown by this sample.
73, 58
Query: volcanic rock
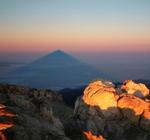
40, 113
102, 90
132, 107
139, 90
115, 116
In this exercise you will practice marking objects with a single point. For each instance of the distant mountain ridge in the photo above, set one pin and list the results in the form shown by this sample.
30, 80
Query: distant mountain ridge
56, 70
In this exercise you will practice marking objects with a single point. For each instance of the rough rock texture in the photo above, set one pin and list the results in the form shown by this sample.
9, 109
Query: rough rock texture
115, 116
145, 120
40, 114
102, 90
139, 90
132, 107
101, 111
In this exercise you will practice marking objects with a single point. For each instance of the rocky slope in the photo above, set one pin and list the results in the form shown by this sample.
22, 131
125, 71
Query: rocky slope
103, 112
116, 113
40, 114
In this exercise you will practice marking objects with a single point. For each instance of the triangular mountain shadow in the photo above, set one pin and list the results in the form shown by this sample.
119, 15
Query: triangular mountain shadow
56, 70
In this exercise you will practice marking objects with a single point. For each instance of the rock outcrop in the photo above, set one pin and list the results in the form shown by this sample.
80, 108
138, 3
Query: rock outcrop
115, 116
145, 120
102, 90
139, 90
40, 114
102, 112
132, 107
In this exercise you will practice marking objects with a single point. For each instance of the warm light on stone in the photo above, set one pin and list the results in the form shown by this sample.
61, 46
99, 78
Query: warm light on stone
90, 136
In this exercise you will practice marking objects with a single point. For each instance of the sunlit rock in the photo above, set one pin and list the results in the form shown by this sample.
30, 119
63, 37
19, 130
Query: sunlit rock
102, 95
115, 115
90, 136
132, 107
5, 125
139, 90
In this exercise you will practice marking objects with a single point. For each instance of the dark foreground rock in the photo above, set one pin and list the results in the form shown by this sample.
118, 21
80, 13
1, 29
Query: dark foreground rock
103, 112
40, 114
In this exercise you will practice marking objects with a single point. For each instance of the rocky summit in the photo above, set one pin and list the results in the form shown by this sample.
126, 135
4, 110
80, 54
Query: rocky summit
139, 89
115, 115
104, 111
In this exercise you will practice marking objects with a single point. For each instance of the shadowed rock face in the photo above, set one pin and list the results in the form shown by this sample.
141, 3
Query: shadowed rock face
40, 114
101, 112
115, 116
132, 107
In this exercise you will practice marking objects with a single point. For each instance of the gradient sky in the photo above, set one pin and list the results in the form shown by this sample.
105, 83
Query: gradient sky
75, 25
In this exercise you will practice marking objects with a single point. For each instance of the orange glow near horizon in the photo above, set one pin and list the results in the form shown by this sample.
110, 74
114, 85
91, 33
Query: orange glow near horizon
75, 42
99, 26
114, 39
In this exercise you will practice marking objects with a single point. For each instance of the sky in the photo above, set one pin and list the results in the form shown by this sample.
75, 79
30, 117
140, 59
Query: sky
117, 26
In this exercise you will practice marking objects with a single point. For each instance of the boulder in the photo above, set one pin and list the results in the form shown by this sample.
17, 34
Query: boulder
102, 95
132, 107
137, 89
115, 115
